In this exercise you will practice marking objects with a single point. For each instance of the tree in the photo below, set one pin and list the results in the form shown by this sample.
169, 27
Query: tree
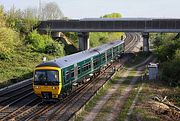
98, 38
2, 17
51, 11
112, 15
43, 44
8, 37
21, 21
168, 51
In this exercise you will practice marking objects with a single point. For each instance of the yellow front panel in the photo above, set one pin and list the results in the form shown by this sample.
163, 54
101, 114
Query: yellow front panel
54, 89
43, 88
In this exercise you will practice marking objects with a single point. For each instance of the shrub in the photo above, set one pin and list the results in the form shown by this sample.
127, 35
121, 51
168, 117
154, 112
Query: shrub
43, 44
8, 39
55, 48
168, 52
36, 40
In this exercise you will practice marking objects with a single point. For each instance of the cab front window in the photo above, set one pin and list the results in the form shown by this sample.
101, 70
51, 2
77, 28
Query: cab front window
46, 76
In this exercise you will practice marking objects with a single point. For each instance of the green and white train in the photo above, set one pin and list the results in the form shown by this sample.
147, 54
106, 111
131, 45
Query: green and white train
55, 78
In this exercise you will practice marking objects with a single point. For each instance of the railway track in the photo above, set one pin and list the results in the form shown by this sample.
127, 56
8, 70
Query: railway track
65, 109
131, 41
20, 103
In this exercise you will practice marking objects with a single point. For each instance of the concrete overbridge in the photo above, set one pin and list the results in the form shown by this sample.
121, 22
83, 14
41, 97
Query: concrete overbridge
84, 26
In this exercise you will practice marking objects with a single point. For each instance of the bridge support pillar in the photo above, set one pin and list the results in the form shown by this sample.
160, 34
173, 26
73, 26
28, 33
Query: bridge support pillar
83, 40
56, 34
145, 36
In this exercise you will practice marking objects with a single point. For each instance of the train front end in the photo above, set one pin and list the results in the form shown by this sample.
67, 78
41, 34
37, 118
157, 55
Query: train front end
47, 82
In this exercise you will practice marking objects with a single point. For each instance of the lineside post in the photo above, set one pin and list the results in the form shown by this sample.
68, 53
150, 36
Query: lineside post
83, 40
145, 36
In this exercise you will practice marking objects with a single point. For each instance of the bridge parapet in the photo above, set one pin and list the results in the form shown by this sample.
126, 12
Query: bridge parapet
112, 25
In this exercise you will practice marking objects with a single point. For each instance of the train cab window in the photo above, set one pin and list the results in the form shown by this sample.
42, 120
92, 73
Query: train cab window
40, 75
52, 76
46, 76
79, 69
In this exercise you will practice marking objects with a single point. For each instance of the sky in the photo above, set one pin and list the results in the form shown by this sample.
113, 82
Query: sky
77, 9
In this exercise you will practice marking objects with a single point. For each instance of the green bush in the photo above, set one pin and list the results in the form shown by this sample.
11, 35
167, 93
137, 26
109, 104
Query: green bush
8, 40
55, 48
36, 40
2, 17
21, 21
44, 44
167, 50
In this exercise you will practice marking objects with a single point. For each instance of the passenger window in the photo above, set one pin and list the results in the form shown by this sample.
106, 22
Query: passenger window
67, 75
72, 73
79, 69
89, 66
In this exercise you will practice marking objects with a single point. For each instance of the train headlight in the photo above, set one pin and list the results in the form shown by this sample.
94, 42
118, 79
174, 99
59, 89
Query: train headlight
53, 87
37, 87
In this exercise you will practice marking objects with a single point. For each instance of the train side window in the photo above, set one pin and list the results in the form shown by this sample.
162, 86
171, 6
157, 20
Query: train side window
85, 67
72, 73
67, 75
103, 58
79, 70
94, 62
89, 65
98, 61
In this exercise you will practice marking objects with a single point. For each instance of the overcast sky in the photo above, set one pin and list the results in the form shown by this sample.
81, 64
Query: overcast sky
97, 8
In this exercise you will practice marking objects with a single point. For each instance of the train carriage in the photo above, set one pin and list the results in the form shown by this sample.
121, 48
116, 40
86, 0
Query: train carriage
56, 77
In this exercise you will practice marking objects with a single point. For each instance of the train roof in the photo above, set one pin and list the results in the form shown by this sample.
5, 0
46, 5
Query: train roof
80, 56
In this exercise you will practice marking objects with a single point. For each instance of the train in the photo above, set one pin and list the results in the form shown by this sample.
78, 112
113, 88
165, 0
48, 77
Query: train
55, 78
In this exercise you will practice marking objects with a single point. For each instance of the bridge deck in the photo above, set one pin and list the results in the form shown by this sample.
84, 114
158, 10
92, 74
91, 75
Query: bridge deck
112, 25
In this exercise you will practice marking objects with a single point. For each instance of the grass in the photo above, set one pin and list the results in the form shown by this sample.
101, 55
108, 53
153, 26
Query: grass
97, 97
106, 109
143, 110
20, 66
109, 104
93, 101
128, 103
136, 59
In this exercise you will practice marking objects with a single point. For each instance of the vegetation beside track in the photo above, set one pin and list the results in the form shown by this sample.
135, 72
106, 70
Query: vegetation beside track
93, 101
136, 58
22, 47
110, 102
106, 109
145, 110
167, 49
123, 114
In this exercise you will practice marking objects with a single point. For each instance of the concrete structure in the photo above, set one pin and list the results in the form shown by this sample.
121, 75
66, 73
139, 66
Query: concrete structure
153, 71
145, 36
143, 25
112, 25
56, 34
83, 40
